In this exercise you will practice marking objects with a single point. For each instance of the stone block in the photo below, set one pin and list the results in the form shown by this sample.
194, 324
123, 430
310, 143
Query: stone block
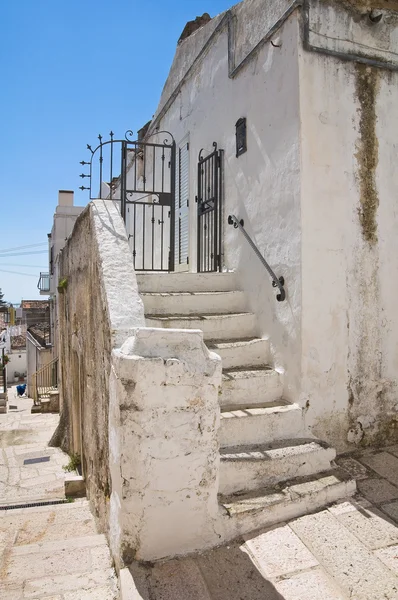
378, 490
370, 526
384, 464
311, 585
75, 486
279, 551
353, 467
356, 570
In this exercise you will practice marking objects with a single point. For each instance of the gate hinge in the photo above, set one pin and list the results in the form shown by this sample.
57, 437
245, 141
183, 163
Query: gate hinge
187, 145
187, 260
196, 198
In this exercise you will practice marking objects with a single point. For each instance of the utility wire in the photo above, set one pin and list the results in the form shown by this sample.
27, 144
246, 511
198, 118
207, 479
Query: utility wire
23, 253
17, 273
22, 247
15, 265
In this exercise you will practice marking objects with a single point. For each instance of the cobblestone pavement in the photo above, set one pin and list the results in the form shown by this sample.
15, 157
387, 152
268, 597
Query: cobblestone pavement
52, 551
348, 551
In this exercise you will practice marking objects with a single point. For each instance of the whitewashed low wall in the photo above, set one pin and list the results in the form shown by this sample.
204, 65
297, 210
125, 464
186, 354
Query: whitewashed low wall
164, 457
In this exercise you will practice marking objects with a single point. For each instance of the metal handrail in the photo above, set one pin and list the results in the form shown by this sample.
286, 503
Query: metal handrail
278, 282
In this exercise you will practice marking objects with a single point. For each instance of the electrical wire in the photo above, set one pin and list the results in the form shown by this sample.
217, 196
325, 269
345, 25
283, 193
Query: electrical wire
22, 247
23, 253
18, 273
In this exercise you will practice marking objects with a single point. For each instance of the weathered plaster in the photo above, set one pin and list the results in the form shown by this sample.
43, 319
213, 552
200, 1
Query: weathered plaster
164, 457
349, 266
97, 311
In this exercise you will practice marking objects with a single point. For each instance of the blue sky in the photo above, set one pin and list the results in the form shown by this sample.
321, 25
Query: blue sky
71, 70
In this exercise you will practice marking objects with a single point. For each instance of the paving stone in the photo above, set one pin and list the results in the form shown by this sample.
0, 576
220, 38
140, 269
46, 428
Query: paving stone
377, 490
358, 573
392, 510
310, 585
11, 591
60, 584
89, 541
353, 467
101, 557
98, 593
392, 449
384, 464
174, 580
369, 525
389, 556
279, 551
47, 564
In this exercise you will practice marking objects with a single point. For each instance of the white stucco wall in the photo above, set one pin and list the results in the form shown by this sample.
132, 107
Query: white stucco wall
350, 267
262, 186
163, 438
17, 363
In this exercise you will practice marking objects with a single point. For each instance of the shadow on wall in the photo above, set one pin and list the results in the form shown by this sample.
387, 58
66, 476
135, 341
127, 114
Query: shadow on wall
226, 573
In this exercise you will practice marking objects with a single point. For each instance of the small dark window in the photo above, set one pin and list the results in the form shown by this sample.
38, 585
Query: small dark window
241, 144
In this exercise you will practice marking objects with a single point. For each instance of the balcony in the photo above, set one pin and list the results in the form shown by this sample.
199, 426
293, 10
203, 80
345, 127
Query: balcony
44, 284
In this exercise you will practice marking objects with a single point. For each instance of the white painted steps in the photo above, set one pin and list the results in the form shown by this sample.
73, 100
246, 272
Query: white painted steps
250, 385
262, 436
186, 282
241, 353
220, 326
247, 468
260, 424
191, 303
290, 499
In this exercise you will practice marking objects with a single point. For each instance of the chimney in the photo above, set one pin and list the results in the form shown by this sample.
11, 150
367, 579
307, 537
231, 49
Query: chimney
65, 198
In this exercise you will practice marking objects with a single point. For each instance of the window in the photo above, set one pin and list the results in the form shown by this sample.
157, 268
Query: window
241, 144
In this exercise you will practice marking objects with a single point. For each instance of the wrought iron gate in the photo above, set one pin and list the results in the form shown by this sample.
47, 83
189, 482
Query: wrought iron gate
209, 211
140, 178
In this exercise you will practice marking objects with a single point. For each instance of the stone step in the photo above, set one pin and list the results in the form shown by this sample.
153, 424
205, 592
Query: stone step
222, 327
48, 523
251, 352
288, 500
187, 303
186, 282
256, 385
247, 468
262, 424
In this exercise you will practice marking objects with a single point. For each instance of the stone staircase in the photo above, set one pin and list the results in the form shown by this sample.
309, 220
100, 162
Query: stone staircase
54, 551
263, 440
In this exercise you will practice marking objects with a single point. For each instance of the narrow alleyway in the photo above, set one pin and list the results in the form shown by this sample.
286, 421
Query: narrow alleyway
51, 551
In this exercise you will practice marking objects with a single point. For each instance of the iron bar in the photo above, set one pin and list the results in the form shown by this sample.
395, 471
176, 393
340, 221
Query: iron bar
276, 282
144, 189
111, 167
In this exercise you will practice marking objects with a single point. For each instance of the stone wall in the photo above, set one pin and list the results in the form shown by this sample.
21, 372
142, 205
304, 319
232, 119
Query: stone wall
139, 405
164, 456
98, 308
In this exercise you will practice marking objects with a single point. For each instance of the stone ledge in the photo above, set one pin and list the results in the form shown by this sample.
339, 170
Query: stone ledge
75, 486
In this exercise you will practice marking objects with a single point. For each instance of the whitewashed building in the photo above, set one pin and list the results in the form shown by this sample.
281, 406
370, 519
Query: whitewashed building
270, 160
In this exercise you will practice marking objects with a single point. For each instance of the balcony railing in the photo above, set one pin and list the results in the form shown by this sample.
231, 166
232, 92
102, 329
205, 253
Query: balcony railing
44, 283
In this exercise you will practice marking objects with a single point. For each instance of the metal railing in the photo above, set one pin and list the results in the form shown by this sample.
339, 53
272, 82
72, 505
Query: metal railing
3, 380
44, 282
278, 282
45, 380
